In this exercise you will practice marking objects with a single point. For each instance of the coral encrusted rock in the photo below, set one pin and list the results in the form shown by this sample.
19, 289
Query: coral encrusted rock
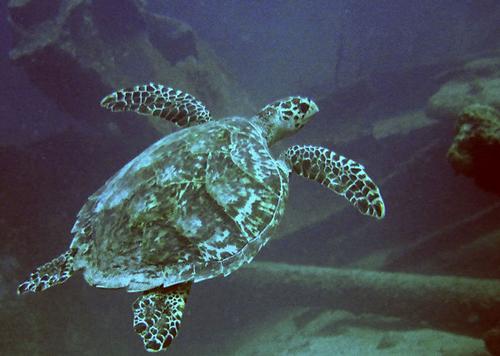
475, 151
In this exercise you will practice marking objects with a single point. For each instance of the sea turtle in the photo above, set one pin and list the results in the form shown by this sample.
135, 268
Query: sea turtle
196, 204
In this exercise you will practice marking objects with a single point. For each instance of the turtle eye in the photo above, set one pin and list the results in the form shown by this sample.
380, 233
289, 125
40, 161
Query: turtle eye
304, 107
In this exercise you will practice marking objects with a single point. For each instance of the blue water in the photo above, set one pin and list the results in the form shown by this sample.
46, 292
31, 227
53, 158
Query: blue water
366, 64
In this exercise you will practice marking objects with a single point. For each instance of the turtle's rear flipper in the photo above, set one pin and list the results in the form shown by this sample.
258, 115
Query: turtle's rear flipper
54, 272
158, 100
158, 314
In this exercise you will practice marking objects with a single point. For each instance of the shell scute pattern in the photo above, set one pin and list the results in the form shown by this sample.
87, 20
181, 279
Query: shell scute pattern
182, 210
254, 159
250, 204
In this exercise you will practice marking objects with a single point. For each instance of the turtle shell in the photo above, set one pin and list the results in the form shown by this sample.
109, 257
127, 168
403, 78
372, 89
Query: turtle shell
196, 204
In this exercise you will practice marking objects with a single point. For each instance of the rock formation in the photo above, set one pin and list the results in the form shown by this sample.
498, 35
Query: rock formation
76, 51
470, 95
476, 146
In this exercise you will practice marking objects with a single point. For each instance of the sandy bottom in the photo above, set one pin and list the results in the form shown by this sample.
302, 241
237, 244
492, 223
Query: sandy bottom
317, 332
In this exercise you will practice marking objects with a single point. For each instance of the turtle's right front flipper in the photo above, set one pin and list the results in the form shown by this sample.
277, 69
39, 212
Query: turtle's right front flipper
173, 105
342, 175
49, 274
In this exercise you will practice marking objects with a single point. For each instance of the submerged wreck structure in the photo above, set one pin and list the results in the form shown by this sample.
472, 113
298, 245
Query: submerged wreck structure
76, 50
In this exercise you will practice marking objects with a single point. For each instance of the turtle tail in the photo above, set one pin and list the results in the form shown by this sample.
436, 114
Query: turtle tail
49, 274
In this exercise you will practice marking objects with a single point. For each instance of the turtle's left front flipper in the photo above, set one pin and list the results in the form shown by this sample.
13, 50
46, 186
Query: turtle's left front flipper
342, 175
158, 314
153, 99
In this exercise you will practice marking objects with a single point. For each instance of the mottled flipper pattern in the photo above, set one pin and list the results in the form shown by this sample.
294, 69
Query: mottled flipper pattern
158, 314
340, 174
51, 273
173, 105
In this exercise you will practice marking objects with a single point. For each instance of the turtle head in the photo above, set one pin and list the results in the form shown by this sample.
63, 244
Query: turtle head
286, 116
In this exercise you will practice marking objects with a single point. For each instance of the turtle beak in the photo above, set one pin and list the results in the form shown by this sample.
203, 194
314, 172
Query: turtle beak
312, 109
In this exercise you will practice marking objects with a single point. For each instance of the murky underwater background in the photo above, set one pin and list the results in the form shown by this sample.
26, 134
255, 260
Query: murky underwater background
409, 89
